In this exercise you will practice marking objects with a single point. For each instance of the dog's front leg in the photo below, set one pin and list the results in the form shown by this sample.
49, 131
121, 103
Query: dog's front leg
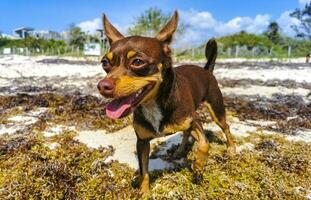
143, 149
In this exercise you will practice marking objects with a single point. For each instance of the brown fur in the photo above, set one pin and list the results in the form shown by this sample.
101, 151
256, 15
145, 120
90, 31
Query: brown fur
178, 92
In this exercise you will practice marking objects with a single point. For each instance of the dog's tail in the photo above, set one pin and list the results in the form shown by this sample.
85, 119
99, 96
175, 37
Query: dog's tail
210, 54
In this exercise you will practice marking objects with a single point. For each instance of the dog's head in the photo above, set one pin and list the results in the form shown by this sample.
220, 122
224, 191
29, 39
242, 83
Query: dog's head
135, 66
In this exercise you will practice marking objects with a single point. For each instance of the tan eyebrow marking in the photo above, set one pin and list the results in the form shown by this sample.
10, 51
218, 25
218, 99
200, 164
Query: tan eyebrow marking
109, 56
130, 54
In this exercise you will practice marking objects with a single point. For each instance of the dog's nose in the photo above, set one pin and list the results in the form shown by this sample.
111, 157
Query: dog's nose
106, 87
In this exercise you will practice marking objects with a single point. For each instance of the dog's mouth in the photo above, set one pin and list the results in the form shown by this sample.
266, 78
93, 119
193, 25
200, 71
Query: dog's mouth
124, 106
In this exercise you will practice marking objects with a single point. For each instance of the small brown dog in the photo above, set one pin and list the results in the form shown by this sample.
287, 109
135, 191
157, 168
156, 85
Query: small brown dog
140, 79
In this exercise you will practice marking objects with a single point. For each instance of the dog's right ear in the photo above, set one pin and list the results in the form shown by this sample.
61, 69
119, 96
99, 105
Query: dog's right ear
166, 34
110, 31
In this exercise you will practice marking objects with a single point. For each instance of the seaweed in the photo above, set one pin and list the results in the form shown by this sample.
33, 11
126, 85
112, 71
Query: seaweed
82, 111
31, 170
274, 171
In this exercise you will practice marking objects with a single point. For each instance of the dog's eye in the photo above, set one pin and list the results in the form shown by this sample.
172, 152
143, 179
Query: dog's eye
106, 65
137, 63
104, 62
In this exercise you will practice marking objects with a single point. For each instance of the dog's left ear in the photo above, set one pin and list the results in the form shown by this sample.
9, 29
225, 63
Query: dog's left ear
166, 34
110, 31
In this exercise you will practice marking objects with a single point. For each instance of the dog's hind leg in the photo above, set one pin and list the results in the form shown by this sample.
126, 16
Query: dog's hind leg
180, 152
219, 117
196, 131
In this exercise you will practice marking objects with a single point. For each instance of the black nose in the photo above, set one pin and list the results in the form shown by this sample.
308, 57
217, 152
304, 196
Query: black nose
106, 87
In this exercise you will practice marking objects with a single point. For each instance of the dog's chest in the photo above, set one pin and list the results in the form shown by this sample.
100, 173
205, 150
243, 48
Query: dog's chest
152, 114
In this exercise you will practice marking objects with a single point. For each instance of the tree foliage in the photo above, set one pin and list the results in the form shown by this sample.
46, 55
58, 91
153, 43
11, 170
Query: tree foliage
273, 32
150, 22
77, 38
303, 30
244, 39
32, 43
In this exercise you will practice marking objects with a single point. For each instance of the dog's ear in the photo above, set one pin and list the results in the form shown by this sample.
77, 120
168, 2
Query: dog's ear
166, 34
110, 31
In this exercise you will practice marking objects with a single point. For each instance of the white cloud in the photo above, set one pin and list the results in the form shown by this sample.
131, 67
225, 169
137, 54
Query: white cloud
285, 21
202, 26
90, 26
252, 25
205, 21
259, 24
191, 37
304, 2
202, 20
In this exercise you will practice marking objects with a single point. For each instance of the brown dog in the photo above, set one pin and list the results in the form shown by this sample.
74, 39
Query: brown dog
140, 79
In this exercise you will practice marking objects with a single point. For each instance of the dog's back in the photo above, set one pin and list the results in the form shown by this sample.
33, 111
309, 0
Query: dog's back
200, 80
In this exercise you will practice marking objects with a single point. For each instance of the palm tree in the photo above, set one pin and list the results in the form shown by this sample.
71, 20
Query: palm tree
273, 32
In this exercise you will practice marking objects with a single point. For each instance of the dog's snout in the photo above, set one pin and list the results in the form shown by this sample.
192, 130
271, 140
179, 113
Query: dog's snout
106, 87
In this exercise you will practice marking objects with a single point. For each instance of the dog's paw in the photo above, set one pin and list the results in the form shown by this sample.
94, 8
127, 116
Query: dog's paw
144, 185
144, 190
136, 182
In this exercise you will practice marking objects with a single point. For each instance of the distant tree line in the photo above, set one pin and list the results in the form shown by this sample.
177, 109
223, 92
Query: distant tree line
32, 43
150, 21
76, 40
278, 46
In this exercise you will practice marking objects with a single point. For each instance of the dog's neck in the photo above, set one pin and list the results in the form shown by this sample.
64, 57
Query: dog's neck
167, 90
153, 114
158, 111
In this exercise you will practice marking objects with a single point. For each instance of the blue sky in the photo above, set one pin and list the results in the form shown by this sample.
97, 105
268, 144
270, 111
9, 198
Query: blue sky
206, 18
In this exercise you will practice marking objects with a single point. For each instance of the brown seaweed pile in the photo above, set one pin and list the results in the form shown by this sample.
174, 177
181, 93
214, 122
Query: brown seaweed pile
31, 170
82, 111
280, 109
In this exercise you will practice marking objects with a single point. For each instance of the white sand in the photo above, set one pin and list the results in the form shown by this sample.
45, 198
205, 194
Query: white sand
124, 142
53, 130
298, 75
266, 91
244, 147
19, 122
240, 60
20, 66
301, 135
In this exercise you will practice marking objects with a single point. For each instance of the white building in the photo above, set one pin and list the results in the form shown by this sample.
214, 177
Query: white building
47, 35
23, 32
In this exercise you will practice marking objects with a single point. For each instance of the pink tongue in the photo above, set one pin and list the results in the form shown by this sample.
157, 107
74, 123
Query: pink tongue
117, 107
